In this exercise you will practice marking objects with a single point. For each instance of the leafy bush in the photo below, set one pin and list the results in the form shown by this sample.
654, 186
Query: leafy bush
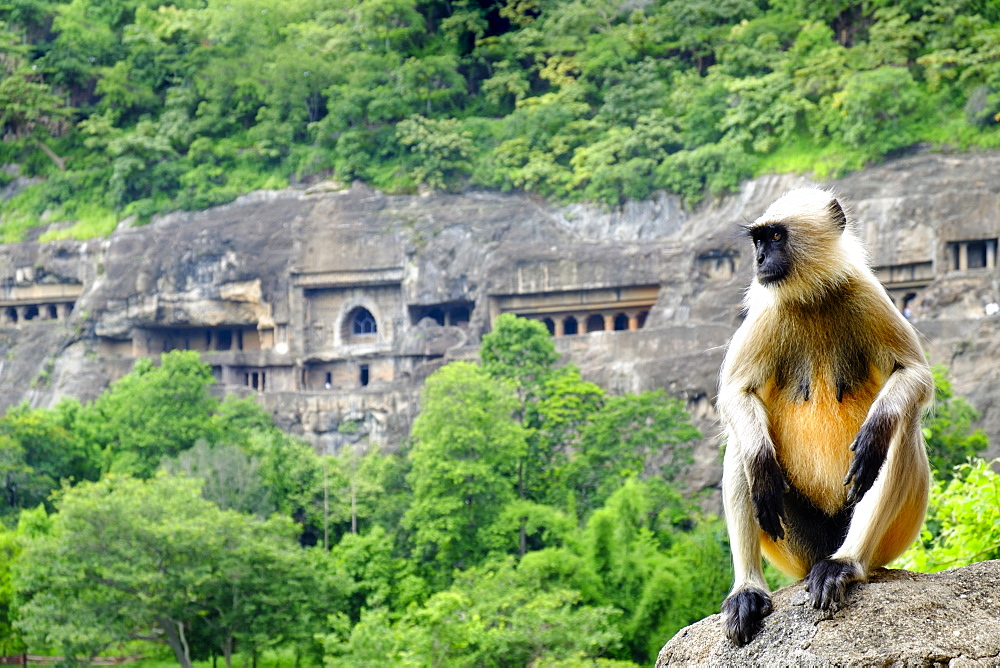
963, 521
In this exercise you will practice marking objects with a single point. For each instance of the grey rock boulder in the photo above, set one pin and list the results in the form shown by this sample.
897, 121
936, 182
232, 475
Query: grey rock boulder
898, 618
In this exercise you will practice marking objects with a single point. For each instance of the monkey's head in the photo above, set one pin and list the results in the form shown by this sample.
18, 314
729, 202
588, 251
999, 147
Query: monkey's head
803, 245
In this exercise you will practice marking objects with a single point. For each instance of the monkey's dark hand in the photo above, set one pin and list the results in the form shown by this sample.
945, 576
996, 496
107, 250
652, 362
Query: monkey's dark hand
870, 450
767, 489
743, 613
827, 582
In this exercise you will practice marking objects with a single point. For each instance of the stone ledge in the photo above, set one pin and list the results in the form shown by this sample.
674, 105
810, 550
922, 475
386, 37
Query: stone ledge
899, 618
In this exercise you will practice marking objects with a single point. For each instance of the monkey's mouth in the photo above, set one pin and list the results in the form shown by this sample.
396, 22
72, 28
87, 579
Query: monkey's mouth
771, 277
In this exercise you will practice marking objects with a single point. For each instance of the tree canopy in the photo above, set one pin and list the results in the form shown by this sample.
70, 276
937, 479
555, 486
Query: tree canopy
532, 518
137, 107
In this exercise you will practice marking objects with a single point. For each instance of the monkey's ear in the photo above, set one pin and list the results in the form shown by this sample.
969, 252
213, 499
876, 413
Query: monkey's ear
837, 214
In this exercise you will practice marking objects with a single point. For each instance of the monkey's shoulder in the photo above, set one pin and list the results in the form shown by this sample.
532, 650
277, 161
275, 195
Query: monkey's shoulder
805, 349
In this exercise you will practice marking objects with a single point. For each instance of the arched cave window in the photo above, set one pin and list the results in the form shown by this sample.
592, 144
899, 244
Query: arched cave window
570, 326
12, 313
53, 312
362, 322
595, 323
31, 312
621, 322
549, 325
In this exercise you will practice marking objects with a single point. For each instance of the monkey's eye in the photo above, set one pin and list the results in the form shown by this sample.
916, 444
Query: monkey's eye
776, 236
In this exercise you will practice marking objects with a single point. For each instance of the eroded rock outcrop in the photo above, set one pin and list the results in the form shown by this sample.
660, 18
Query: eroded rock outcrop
899, 618
333, 304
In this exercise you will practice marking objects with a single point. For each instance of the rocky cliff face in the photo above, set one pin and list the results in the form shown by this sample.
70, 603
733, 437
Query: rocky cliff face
899, 618
334, 304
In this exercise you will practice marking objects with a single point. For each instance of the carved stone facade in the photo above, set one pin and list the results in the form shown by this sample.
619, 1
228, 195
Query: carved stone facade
333, 306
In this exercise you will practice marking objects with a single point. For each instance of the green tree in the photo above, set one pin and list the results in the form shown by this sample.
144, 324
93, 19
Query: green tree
518, 349
10, 548
494, 614
128, 559
441, 148
231, 478
632, 545
948, 431
963, 521
465, 451
152, 412
646, 434
292, 474
379, 579
871, 111
37, 451
557, 413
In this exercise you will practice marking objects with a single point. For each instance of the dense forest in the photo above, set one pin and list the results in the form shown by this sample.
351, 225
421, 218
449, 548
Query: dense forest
532, 519
118, 108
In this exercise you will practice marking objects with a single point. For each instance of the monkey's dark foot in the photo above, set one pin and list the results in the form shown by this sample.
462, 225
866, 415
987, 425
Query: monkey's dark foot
870, 449
827, 581
743, 613
767, 489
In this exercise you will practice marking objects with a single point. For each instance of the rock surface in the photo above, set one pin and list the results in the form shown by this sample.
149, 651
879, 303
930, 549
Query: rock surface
899, 618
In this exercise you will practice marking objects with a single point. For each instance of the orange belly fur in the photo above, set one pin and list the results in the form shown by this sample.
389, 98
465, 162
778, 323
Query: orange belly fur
813, 438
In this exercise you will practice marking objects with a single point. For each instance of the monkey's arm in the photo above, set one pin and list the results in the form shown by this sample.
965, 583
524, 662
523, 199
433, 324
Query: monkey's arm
753, 452
908, 390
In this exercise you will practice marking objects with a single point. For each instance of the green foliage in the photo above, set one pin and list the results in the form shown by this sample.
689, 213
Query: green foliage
951, 441
645, 570
124, 556
37, 451
151, 413
518, 349
496, 614
465, 453
440, 148
533, 519
149, 108
231, 479
874, 109
10, 549
630, 435
963, 521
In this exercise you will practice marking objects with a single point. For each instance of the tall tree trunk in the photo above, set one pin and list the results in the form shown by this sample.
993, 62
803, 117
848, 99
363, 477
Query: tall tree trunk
523, 543
59, 162
176, 640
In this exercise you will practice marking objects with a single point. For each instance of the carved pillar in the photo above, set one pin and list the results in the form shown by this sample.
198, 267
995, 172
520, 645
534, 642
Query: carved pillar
963, 256
991, 254
633, 322
609, 322
560, 330
21, 312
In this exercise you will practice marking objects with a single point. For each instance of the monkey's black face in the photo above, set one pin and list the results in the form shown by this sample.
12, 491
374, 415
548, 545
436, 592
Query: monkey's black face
770, 243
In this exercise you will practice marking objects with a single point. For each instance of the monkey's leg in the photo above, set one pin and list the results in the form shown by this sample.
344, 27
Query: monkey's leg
885, 521
749, 602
